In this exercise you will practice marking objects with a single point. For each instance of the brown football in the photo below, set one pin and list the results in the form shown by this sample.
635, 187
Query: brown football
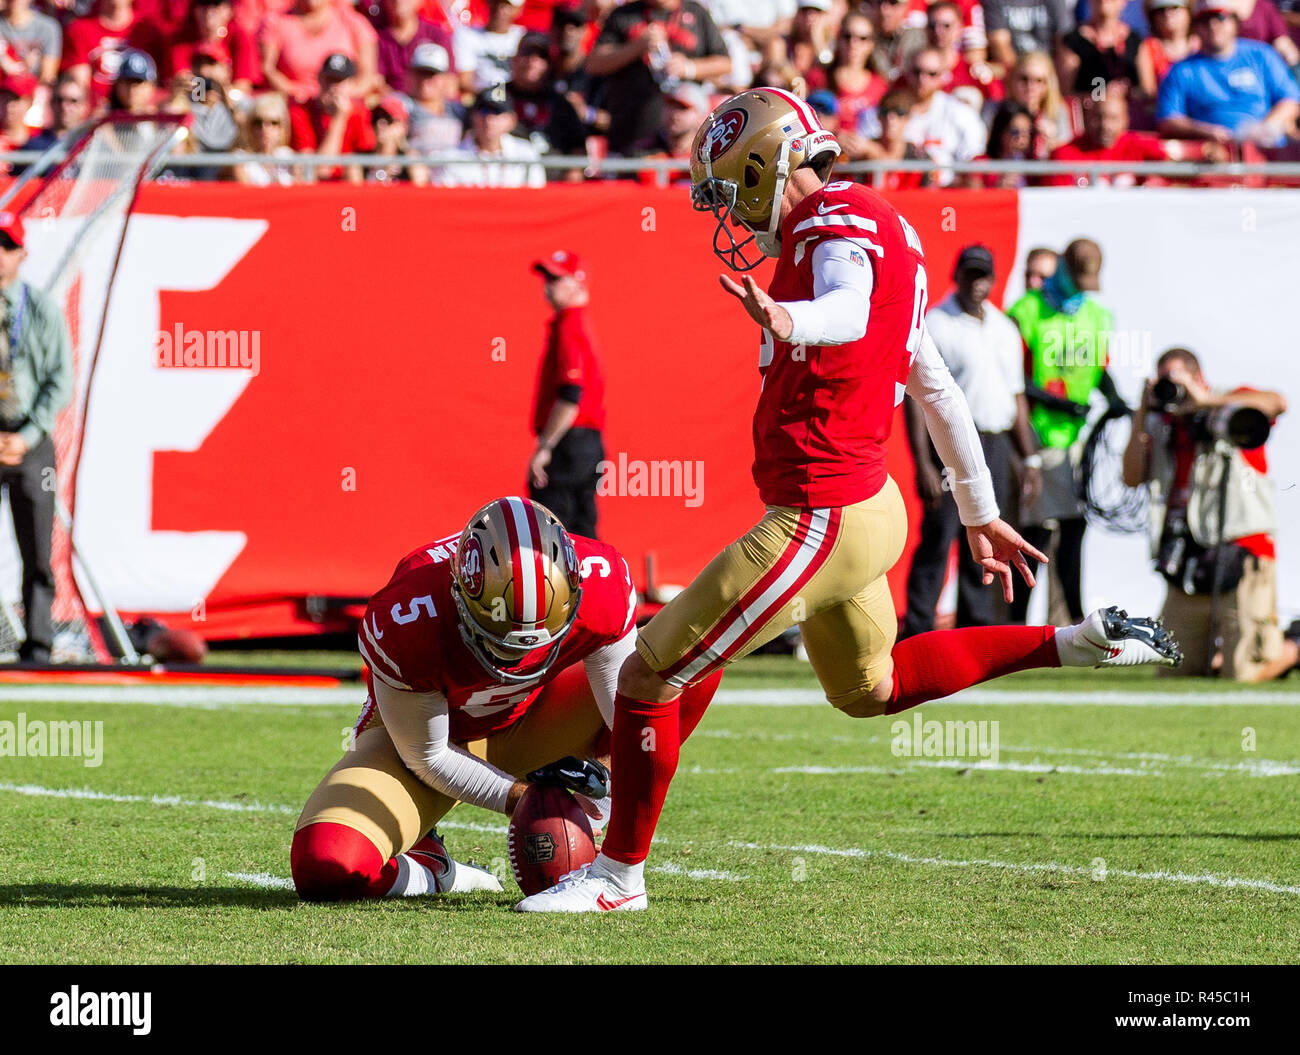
549, 836
174, 645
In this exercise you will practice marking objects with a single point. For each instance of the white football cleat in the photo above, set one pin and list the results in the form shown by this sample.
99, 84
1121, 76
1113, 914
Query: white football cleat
584, 890
1110, 637
452, 876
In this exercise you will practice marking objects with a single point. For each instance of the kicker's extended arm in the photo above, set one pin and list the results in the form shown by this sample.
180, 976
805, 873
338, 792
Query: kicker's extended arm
955, 436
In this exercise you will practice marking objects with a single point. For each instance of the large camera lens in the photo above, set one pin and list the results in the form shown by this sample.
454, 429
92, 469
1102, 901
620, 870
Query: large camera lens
1166, 394
1243, 427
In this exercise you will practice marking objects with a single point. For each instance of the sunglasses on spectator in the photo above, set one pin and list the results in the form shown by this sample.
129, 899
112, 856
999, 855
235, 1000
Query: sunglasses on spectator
846, 35
931, 71
68, 100
1018, 133
894, 111
264, 122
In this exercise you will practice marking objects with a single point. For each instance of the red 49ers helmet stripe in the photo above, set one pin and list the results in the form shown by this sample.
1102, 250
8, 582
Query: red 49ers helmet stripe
525, 560
516, 585
807, 115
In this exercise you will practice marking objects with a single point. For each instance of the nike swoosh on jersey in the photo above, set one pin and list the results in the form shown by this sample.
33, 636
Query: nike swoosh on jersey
823, 208
375, 623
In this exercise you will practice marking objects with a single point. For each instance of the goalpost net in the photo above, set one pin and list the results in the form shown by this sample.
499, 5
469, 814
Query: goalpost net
75, 203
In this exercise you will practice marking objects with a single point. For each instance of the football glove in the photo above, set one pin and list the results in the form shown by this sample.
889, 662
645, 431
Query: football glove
582, 775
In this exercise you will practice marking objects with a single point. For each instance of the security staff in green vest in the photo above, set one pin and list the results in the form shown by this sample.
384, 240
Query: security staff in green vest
1067, 336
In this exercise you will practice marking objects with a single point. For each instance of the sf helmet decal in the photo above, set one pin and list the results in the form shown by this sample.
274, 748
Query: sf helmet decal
471, 567
723, 133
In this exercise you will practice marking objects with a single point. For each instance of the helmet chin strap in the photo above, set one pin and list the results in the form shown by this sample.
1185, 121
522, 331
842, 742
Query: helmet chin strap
768, 241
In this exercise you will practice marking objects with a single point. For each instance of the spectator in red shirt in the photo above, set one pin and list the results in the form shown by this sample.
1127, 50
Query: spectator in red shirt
944, 32
93, 46
569, 403
1106, 137
401, 30
334, 121
857, 87
211, 26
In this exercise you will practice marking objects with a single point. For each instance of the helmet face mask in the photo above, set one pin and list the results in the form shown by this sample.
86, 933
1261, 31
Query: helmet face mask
718, 197
741, 162
517, 586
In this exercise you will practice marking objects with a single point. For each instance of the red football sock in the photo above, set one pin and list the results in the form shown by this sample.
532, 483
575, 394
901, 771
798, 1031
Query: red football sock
693, 702
932, 666
332, 862
643, 755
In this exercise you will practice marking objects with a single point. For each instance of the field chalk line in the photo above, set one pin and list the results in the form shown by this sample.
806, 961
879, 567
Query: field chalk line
671, 868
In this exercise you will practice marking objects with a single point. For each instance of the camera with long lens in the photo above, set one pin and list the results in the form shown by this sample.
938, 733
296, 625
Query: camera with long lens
1244, 427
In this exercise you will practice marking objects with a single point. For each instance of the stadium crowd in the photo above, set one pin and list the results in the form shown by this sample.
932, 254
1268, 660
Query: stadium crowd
500, 83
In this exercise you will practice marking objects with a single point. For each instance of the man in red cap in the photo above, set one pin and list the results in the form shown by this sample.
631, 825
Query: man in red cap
569, 403
35, 384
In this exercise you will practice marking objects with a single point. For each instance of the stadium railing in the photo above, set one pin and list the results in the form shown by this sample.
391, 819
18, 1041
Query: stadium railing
662, 168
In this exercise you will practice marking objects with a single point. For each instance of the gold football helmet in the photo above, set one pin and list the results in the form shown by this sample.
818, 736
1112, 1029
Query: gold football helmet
516, 584
740, 161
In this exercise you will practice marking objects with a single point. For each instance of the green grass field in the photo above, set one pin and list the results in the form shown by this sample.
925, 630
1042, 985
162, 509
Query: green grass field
1108, 830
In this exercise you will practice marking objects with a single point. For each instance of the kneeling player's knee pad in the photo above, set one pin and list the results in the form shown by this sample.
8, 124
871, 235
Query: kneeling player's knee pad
332, 862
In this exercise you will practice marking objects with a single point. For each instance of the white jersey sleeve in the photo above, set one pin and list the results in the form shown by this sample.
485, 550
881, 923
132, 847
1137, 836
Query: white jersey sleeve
420, 725
951, 427
602, 668
841, 302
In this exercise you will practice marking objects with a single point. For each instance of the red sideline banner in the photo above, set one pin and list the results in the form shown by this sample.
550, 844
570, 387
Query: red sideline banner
380, 348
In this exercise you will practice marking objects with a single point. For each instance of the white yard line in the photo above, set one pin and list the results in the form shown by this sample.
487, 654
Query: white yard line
262, 879
208, 697
153, 800
1231, 882
670, 868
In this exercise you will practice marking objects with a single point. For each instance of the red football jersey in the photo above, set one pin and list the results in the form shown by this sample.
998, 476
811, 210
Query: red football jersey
825, 412
410, 637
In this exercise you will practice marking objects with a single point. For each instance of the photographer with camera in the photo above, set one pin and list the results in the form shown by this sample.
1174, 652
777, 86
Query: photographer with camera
1212, 518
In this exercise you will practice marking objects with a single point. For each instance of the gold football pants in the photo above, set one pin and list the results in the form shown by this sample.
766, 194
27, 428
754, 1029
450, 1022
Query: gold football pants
822, 569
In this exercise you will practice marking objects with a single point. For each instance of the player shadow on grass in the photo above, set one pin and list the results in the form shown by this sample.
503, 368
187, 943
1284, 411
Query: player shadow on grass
107, 895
